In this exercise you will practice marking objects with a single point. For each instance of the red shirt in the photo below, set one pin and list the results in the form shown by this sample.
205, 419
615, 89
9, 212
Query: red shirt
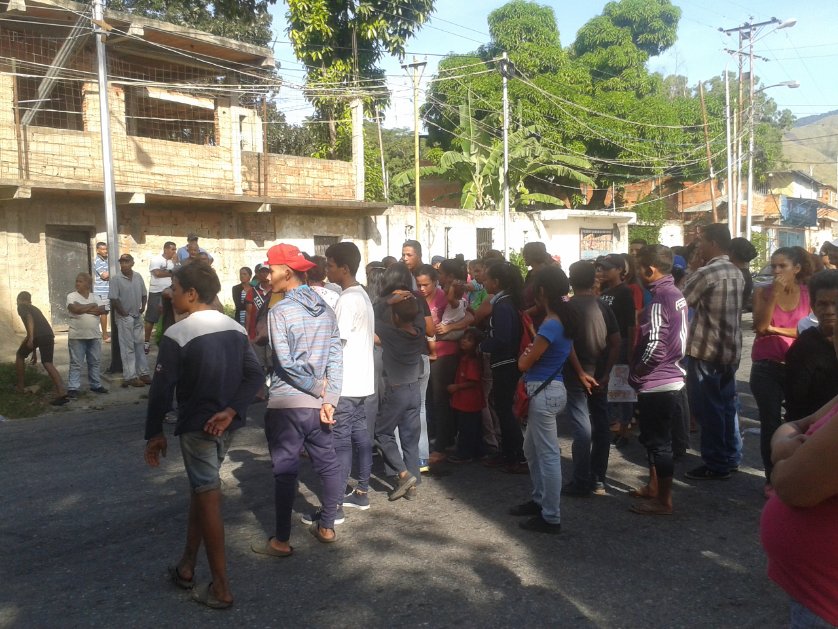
469, 400
802, 548
437, 306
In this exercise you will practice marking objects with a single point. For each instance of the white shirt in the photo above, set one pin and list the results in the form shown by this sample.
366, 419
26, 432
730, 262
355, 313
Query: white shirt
84, 326
329, 295
159, 284
356, 322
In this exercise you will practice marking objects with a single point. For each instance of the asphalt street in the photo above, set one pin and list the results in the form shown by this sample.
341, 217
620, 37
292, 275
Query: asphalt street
87, 531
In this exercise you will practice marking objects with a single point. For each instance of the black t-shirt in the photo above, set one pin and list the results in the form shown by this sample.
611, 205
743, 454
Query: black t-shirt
42, 328
596, 324
621, 301
402, 351
811, 368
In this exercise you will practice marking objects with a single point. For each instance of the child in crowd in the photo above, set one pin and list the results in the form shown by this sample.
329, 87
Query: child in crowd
39, 336
401, 330
467, 398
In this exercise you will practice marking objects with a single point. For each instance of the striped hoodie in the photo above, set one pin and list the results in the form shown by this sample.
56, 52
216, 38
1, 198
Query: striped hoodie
662, 340
307, 351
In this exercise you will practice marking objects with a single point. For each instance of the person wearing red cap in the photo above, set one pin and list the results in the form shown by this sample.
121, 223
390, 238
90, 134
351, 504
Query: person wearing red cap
305, 388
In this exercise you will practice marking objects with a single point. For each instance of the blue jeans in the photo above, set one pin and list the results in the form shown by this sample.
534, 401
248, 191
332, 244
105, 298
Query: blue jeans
541, 447
580, 426
288, 430
712, 393
350, 433
600, 436
424, 446
400, 409
82, 350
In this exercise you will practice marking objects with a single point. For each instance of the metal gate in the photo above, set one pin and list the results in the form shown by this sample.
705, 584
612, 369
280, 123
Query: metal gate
68, 254
484, 241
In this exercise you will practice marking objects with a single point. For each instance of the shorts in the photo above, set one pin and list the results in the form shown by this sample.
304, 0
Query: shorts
203, 455
44, 343
154, 307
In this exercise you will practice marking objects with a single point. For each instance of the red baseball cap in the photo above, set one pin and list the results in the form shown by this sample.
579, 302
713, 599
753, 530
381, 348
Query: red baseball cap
290, 256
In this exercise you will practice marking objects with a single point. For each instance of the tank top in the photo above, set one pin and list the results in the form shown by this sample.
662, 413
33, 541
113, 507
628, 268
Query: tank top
773, 346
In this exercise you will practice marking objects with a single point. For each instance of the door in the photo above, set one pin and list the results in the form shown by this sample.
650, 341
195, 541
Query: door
68, 254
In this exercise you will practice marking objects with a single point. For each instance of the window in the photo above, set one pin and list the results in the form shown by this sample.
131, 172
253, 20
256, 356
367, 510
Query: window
163, 115
594, 243
60, 108
321, 243
484, 240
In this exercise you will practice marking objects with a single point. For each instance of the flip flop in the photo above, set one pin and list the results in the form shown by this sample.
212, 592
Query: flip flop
267, 549
647, 508
203, 594
174, 574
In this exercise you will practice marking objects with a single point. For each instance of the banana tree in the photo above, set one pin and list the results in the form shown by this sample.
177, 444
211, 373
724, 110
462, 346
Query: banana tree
478, 165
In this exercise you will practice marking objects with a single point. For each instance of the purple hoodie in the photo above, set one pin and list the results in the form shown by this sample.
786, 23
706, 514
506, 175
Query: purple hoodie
662, 339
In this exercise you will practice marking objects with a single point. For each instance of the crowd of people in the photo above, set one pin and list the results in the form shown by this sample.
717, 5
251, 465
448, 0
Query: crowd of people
454, 363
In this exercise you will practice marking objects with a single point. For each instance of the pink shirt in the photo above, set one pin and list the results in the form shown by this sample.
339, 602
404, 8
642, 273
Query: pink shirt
802, 548
773, 346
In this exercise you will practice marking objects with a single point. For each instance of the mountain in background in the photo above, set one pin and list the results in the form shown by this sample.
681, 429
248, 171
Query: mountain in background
813, 142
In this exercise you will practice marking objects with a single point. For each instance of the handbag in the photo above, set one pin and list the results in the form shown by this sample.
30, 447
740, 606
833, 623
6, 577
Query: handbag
521, 401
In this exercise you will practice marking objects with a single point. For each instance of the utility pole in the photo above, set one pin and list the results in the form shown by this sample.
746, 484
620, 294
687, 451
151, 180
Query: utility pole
418, 67
709, 155
748, 31
109, 186
507, 70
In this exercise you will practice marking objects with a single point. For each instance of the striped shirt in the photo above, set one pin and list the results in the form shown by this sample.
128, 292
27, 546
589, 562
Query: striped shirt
715, 293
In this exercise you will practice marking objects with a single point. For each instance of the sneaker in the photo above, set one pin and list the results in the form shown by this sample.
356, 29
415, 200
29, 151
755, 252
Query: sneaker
599, 489
703, 472
424, 467
72, 394
357, 500
145, 379
540, 525
402, 485
311, 518
146, 347
457, 459
527, 508
99, 390
575, 491
411, 494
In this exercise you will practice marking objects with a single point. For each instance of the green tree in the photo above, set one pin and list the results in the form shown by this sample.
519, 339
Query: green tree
244, 20
651, 215
341, 43
477, 163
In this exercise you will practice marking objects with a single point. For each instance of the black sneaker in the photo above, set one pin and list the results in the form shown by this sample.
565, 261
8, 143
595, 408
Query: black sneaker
528, 508
575, 491
357, 500
540, 525
311, 518
402, 485
99, 390
703, 472
411, 493
72, 394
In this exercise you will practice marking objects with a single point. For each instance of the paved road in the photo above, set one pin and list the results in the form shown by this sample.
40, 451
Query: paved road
87, 530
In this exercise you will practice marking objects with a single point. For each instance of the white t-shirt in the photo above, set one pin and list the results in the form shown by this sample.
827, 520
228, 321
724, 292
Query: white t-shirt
453, 314
356, 322
84, 326
159, 284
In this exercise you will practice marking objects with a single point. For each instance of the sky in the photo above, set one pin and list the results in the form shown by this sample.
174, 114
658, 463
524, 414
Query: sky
807, 52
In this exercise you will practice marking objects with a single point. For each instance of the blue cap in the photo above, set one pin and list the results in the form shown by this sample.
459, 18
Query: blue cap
678, 262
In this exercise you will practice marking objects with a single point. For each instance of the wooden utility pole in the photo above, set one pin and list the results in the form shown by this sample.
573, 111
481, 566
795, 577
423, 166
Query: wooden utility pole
709, 154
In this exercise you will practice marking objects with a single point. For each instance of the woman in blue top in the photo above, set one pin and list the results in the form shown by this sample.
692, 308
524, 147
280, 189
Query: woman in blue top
542, 364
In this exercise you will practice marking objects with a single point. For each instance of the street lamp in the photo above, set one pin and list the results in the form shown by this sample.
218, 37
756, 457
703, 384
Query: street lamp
750, 206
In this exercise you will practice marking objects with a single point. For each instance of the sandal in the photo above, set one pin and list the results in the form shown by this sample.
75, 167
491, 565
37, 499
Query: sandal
267, 548
203, 594
174, 574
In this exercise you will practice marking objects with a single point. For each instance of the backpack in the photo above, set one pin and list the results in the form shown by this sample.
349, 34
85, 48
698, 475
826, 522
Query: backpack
261, 339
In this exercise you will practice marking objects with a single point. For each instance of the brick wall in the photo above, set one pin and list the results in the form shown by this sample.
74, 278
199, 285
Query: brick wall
297, 177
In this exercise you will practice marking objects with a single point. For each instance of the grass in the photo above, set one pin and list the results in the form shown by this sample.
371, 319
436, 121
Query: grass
14, 405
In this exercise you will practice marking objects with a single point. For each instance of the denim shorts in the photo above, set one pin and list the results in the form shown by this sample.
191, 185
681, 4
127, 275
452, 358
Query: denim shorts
203, 455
